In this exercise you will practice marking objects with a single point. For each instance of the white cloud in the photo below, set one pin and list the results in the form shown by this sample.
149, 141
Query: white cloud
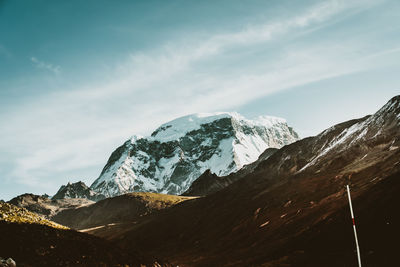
147, 69
78, 128
46, 66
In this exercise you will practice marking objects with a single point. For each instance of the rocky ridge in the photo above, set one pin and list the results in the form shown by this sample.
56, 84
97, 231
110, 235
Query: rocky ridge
48, 207
77, 190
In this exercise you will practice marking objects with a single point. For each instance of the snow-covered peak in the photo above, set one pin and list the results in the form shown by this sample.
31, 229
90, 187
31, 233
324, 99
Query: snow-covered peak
179, 151
267, 121
135, 137
179, 127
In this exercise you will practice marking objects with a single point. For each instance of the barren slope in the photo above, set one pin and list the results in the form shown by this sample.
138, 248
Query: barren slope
121, 209
32, 240
48, 207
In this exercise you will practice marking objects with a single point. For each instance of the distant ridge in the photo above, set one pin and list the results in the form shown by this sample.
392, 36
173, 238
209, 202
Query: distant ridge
77, 190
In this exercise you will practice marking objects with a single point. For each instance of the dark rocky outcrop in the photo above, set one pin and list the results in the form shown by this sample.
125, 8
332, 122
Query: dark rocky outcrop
77, 190
7, 262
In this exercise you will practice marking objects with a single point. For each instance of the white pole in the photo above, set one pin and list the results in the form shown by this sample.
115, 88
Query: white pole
354, 226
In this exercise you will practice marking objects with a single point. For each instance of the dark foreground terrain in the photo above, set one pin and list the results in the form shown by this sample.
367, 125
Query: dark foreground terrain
39, 245
267, 231
331, 242
31, 240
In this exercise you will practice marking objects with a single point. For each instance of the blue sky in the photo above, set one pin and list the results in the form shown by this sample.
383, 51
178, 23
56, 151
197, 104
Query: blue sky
78, 78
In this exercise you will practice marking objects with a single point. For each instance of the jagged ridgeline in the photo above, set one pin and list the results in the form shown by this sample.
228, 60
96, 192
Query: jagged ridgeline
77, 190
179, 151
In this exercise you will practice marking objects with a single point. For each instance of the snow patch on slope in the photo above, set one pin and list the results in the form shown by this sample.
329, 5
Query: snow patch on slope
351, 132
372, 126
220, 163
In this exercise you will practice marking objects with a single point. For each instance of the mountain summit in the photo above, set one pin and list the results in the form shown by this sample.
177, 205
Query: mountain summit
179, 151
77, 190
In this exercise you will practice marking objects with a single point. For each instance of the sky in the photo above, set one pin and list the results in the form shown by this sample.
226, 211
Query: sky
78, 78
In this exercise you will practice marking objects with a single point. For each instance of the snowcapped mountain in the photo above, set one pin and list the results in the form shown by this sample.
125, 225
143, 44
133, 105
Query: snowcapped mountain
77, 190
179, 151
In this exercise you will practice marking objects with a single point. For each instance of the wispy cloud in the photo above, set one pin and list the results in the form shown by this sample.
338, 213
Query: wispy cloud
46, 66
142, 70
79, 127
254, 34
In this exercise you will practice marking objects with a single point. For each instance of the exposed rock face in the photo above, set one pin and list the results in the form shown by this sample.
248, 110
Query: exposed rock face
178, 152
34, 203
48, 207
209, 183
77, 190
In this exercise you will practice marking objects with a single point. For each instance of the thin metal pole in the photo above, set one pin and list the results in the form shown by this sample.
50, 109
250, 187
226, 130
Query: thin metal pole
354, 226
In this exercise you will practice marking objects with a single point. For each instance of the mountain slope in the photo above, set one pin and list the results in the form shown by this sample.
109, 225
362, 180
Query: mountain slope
13, 214
178, 152
292, 209
116, 210
32, 240
209, 183
40, 245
